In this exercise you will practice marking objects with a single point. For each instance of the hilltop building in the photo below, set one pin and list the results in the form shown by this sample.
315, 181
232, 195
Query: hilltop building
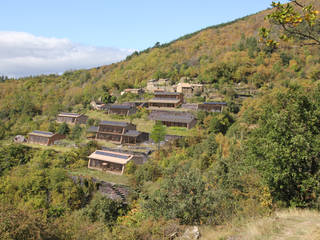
113, 162
73, 118
166, 99
44, 138
174, 118
119, 132
189, 89
133, 91
122, 109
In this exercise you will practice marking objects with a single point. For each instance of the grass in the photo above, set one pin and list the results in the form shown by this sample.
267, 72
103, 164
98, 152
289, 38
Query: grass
290, 224
103, 176
54, 147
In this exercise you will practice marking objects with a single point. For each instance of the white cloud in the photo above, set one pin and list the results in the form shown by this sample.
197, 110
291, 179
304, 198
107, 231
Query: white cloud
23, 54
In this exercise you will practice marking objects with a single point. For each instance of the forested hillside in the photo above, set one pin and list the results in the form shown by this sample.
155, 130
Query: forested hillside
235, 165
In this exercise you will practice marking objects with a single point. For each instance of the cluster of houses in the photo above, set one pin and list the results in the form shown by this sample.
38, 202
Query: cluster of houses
162, 108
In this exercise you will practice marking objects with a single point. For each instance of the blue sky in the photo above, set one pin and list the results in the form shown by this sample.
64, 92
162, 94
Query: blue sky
124, 25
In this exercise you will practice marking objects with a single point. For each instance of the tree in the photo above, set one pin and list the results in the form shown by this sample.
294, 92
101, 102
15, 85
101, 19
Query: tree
296, 20
285, 146
63, 129
158, 133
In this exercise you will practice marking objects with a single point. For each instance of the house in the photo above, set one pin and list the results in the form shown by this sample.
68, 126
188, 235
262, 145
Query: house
122, 109
166, 99
212, 106
73, 118
97, 105
163, 84
189, 89
109, 161
133, 91
174, 118
44, 138
119, 132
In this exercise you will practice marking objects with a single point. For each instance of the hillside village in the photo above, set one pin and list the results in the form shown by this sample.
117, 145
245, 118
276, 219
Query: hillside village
214, 136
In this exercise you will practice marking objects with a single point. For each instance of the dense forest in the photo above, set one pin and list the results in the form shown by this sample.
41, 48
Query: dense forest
237, 164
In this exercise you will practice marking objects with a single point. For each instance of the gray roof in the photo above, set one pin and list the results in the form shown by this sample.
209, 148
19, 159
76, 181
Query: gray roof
113, 123
167, 93
171, 116
120, 106
132, 133
215, 103
93, 129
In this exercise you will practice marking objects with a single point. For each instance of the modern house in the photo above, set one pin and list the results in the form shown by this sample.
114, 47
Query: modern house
119, 132
122, 109
174, 118
44, 138
166, 99
113, 162
212, 106
73, 118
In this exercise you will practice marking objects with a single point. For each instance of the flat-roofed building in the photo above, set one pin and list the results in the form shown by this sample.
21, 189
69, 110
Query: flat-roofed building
133, 91
73, 118
119, 132
44, 138
166, 99
212, 106
174, 118
122, 109
109, 161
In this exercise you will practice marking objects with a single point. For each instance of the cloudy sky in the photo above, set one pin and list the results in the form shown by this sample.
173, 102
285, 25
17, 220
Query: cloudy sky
40, 37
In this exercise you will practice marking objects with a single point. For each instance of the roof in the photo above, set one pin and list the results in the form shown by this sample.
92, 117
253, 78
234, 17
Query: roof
132, 133
164, 100
170, 116
215, 103
109, 156
168, 93
120, 106
93, 129
41, 133
112, 123
185, 85
69, 115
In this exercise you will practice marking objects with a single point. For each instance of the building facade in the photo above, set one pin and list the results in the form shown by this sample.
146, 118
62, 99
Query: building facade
174, 118
122, 109
166, 99
44, 138
212, 106
72, 118
120, 133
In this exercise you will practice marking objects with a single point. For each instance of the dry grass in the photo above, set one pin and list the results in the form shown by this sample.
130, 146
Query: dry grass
289, 224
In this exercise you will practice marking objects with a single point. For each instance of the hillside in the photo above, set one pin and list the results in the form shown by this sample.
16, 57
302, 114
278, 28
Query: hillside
236, 174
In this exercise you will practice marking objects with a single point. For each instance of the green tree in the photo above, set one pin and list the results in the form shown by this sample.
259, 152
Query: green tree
76, 132
63, 129
285, 146
158, 133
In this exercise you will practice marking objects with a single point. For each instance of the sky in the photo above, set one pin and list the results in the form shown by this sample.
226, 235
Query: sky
41, 37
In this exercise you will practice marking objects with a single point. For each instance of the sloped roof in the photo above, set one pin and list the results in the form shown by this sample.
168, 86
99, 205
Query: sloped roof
171, 116
167, 93
42, 133
164, 100
120, 106
69, 115
109, 156
113, 123
132, 133
215, 103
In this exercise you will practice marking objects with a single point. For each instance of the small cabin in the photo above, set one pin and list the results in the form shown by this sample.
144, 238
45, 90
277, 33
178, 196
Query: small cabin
72, 118
113, 162
44, 138
122, 109
174, 118
97, 105
212, 106
166, 99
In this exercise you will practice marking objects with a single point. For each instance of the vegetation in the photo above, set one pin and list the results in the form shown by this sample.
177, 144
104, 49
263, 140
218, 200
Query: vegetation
259, 155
